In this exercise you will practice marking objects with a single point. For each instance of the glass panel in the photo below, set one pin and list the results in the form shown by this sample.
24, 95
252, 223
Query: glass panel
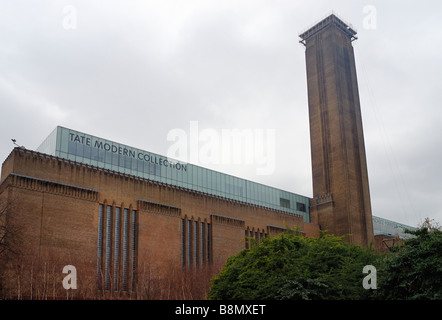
100, 243
108, 248
183, 242
125, 247
188, 233
133, 247
116, 247
209, 256
202, 242
195, 242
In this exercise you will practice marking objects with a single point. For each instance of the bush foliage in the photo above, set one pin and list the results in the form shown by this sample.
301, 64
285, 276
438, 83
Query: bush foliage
290, 266
414, 270
293, 267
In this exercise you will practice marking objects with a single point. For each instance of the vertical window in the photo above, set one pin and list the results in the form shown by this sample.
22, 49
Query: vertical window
183, 242
300, 206
189, 248
285, 203
134, 247
100, 244
246, 238
117, 247
125, 247
201, 243
195, 243
209, 244
107, 262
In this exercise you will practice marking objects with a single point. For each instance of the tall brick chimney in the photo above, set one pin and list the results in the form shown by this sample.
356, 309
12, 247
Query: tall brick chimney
341, 196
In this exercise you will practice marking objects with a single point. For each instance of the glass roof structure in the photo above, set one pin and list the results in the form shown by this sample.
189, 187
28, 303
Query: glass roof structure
91, 150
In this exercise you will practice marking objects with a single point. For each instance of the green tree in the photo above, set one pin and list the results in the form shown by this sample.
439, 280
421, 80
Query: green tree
414, 271
290, 266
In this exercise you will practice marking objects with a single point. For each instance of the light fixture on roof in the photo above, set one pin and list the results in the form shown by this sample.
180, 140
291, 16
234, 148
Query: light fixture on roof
15, 143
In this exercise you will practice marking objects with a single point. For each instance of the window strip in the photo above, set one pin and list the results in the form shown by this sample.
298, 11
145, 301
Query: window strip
183, 242
117, 247
125, 247
133, 249
108, 248
100, 244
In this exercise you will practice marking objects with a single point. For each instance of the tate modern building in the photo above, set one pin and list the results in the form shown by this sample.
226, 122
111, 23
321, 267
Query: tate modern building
116, 208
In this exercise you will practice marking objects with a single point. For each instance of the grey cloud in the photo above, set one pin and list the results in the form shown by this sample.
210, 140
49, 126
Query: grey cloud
132, 72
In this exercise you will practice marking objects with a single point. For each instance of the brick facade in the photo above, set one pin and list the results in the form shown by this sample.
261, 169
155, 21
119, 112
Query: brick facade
122, 227
75, 210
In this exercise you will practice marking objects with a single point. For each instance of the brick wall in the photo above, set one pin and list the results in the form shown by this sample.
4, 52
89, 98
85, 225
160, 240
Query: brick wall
59, 210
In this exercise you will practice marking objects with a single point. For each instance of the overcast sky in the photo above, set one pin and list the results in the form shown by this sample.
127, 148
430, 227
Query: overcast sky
134, 71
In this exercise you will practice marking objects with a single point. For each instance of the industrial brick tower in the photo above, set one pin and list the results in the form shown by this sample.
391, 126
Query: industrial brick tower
341, 196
